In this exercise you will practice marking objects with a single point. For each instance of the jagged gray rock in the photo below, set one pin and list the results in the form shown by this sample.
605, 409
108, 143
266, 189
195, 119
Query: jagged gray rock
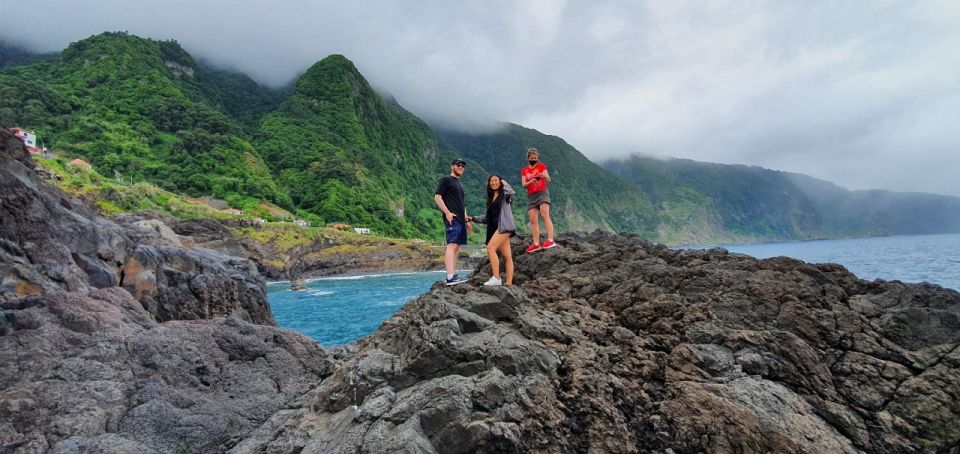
49, 242
614, 344
87, 367
606, 344
97, 373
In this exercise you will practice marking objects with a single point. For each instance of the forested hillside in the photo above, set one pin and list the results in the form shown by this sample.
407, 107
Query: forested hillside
699, 200
145, 110
13, 55
329, 148
138, 109
584, 195
348, 156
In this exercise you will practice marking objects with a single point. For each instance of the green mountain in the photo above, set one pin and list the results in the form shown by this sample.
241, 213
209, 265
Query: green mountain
138, 109
347, 155
145, 110
12, 55
584, 196
331, 149
699, 201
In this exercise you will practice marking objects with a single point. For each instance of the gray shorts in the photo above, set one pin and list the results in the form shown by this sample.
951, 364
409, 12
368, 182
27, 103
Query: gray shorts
538, 198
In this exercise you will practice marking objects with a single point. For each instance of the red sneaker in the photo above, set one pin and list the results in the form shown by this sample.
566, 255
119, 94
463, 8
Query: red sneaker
548, 244
533, 247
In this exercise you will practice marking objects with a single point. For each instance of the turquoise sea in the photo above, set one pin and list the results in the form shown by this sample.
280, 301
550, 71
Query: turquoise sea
339, 310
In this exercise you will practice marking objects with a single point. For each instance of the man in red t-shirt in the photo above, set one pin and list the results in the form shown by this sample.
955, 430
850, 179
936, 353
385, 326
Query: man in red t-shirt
535, 177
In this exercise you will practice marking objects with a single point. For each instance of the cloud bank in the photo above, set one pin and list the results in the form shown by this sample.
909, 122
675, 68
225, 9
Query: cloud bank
864, 94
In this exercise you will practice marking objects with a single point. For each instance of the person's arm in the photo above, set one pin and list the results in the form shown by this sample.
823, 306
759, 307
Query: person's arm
443, 207
524, 182
544, 174
508, 193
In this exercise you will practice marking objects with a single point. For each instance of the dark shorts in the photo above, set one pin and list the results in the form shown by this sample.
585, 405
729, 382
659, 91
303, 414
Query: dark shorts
456, 232
538, 198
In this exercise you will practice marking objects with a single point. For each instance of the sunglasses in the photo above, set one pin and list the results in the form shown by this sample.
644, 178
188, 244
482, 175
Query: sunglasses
460, 165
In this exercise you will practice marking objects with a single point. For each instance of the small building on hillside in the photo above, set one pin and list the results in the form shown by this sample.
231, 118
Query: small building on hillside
301, 222
362, 230
29, 139
232, 211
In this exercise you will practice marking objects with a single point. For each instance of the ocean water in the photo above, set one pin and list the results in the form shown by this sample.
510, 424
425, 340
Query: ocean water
339, 310
926, 258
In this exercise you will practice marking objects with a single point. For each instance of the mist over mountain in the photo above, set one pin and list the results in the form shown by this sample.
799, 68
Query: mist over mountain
13, 55
332, 149
749, 203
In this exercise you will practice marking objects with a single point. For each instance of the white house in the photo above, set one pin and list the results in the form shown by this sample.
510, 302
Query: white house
362, 230
29, 139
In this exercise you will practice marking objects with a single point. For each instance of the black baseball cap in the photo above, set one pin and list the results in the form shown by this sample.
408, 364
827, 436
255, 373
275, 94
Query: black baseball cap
458, 162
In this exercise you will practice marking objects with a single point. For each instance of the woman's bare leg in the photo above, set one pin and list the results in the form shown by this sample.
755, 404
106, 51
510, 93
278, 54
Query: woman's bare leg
534, 225
507, 258
545, 212
492, 246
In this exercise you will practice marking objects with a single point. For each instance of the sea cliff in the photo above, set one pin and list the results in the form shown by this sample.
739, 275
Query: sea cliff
113, 338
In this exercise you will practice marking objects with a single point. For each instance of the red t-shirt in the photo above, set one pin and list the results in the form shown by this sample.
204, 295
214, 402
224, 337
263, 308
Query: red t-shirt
540, 183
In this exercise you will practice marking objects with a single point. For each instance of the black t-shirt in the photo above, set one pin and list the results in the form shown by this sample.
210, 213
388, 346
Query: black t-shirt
451, 191
493, 217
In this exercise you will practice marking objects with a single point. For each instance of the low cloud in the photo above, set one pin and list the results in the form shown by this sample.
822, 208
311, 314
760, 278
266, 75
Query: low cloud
861, 94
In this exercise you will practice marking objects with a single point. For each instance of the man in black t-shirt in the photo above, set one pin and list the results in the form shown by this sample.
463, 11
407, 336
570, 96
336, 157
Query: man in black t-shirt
450, 201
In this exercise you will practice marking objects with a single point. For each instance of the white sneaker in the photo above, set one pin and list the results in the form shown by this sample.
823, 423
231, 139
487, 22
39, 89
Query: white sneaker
493, 281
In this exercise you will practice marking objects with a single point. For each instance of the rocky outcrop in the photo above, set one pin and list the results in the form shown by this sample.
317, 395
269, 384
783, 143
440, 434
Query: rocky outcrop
96, 372
614, 344
189, 284
50, 242
113, 339
323, 256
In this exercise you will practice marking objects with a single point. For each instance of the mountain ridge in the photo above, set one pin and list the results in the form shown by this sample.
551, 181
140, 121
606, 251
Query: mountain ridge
332, 150
753, 203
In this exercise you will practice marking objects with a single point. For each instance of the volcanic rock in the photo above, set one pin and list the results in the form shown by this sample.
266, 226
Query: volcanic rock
49, 242
614, 344
97, 373
114, 340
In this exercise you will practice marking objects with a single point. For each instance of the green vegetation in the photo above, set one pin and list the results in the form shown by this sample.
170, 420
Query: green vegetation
161, 128
716, 202
13, 55
113, 197
142, 110
583, 196
281, 235
285, 236
348, 156
133, 108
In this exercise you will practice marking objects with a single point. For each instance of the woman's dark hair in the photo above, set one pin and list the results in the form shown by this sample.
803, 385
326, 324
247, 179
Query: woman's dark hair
491, 192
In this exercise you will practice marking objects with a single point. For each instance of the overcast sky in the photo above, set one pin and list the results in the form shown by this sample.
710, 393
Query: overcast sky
862, 93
